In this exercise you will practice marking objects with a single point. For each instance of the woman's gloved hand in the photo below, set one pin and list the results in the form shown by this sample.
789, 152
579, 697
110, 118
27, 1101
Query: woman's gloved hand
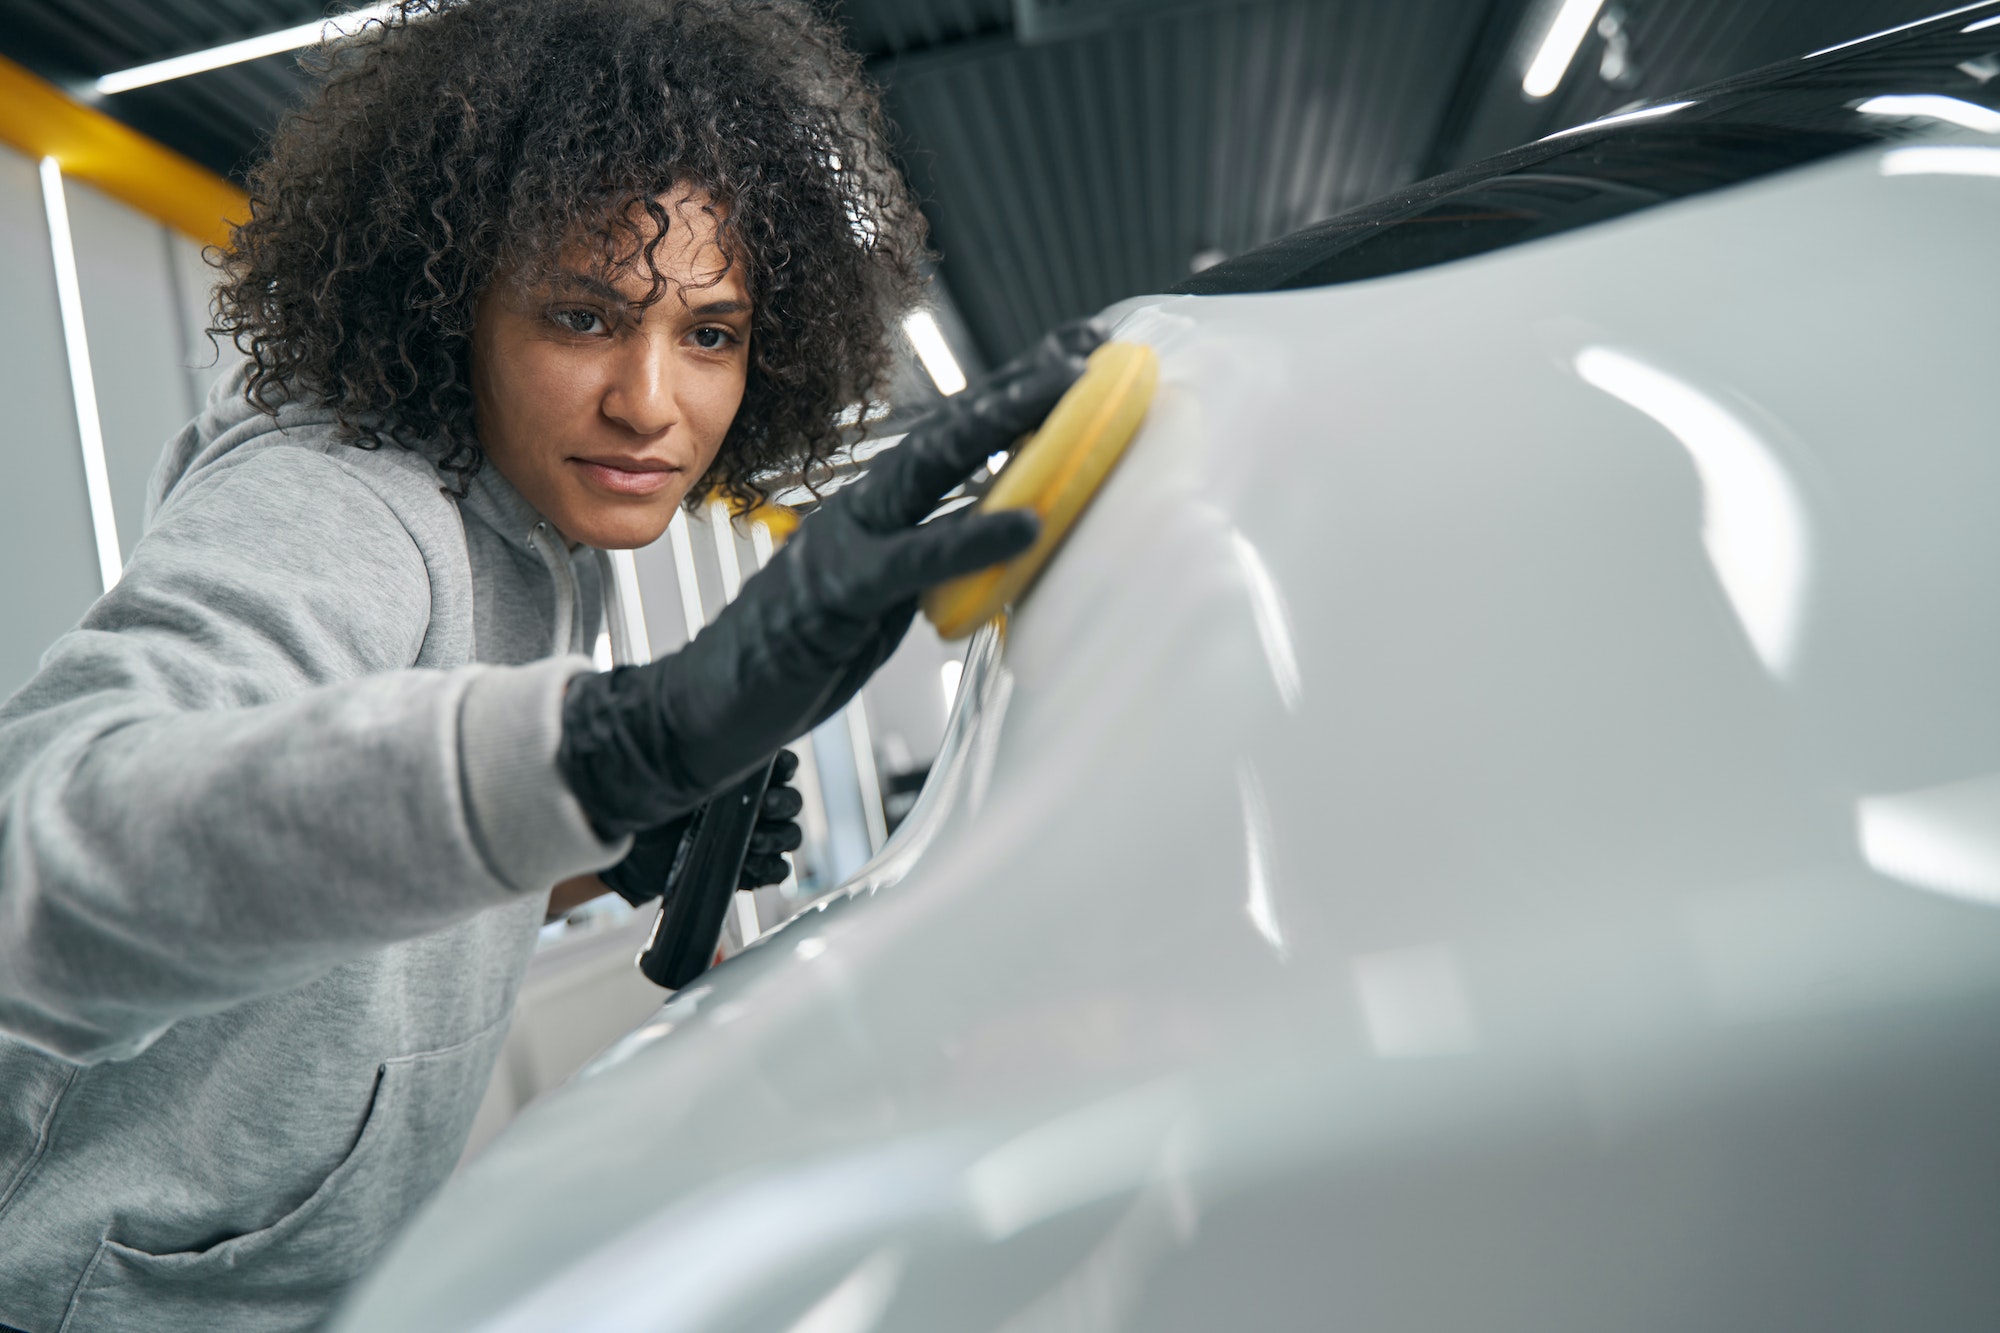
644, 744
643, 874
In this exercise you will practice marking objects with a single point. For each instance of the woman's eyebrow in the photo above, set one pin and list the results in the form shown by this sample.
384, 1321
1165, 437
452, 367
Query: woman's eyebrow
720, 308
596, 286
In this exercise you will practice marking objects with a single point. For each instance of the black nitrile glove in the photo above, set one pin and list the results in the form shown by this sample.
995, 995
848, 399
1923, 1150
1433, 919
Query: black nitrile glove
642, 875
777, 829
643, 744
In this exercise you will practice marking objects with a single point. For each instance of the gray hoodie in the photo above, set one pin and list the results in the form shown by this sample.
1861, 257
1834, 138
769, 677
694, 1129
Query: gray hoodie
277, 821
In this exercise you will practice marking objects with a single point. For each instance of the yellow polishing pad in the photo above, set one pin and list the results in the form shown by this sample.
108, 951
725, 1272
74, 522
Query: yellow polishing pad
1055, 472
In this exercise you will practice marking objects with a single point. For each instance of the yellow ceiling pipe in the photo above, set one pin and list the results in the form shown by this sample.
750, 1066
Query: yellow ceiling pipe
42, 121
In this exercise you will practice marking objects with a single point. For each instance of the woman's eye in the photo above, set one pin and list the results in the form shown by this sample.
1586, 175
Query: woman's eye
580, 321
712, 339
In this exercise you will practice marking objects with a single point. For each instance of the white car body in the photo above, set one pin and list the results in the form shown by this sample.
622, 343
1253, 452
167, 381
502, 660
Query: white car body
1492, 820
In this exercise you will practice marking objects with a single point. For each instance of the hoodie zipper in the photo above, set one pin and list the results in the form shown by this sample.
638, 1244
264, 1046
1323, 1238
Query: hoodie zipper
562, 574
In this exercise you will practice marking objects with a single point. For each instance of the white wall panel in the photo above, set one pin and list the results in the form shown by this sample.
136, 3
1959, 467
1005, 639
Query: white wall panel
136, 329
48, 560
194, 283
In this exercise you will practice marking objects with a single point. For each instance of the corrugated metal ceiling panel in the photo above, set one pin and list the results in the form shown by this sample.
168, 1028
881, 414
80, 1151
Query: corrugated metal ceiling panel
1067, 175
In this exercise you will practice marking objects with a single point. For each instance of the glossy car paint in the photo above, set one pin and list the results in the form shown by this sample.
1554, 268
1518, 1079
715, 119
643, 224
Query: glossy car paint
1492, 821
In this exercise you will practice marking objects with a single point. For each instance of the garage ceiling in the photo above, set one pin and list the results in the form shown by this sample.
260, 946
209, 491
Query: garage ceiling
1074, 152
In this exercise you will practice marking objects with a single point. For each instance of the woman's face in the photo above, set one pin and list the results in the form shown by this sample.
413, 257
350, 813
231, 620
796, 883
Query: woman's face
602, 411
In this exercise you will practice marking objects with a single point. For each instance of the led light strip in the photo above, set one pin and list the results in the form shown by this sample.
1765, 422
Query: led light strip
921, 327
83, 388
250, 48
1559, 45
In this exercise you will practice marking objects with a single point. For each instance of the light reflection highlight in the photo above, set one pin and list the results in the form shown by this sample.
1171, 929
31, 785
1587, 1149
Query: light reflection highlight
1944, 159
1094, 1152
949, 675
1934, 106
858, 1301
1900, 27
1753, 523
1413, 1003
1102, 1290
1257, 851
1945, 839
1643, 113
1274, 622
729, 1247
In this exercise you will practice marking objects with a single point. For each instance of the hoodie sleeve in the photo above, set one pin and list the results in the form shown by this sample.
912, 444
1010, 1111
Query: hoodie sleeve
228, 779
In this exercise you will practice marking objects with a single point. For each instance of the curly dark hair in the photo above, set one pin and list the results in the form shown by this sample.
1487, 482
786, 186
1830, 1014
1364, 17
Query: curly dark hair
462, 140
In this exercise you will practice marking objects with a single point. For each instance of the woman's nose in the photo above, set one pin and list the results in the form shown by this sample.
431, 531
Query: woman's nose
641, 394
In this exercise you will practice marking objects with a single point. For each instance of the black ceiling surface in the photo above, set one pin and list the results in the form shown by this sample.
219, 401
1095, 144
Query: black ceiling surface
1100, 161
1075, 152
1068, 174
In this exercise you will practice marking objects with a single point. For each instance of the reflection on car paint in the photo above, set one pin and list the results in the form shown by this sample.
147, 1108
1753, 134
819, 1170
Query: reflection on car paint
1753, 524
1257, 845
1951, 159
1944, 838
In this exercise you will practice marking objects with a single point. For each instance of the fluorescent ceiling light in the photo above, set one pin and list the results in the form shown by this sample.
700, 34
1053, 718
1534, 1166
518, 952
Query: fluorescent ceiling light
1942, 160
1982, 25
1559, 44
83, 387
933, 351
1955, 110
1643, 113
250, 48
1900, 27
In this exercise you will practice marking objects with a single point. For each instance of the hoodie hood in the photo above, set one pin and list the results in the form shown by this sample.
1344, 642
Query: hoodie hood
232, 428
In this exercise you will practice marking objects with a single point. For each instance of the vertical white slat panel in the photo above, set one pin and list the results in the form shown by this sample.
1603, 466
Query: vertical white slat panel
625, 620
682, 546
48, 565
865, 776
723, 532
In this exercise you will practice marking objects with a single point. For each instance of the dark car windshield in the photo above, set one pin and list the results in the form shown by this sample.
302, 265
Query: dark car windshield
1778, 117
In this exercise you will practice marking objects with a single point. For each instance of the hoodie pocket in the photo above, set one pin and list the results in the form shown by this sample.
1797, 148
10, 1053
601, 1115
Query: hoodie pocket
286, 1275
35, 1085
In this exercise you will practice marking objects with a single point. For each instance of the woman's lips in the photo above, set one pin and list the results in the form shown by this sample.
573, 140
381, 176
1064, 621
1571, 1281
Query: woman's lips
628, 477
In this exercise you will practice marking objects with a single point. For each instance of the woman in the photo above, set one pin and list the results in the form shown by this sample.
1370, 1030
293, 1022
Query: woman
279, 820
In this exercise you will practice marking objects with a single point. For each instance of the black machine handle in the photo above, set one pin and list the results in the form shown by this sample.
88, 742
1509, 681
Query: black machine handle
702, 883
